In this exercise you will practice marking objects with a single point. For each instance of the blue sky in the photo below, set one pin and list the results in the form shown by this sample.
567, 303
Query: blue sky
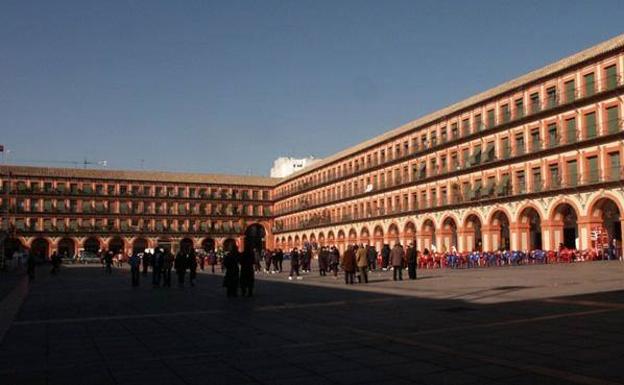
229, 86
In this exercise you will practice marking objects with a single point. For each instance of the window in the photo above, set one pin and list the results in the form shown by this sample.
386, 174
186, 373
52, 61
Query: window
434, 138
553, 170
537, 179
611, 76
535, 103
572, 173
489, 152
614, 165
520, 182
551, 97
443, 134
519, 108
590, 84
506, 114
590, 125
613, 119
535, 140
593, 173
506, 149
491, 121
466, 157
454, 131
465, 127
570, 91
571, 130
520, 144
553, 136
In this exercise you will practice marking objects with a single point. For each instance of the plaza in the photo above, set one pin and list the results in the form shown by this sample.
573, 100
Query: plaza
535, 324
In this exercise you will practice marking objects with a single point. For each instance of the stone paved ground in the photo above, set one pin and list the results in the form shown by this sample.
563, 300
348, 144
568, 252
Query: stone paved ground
558, 324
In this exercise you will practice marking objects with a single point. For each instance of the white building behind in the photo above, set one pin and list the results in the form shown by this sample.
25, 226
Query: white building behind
284, 166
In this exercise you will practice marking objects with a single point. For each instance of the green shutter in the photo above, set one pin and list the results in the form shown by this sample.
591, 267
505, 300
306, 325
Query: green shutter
569, 91
589, 84
614, 160
593, 169
611, 77
571, 130
572, 174
590, 125
613, 119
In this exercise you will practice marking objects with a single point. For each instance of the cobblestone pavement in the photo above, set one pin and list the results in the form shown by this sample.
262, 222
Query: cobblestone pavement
554, 324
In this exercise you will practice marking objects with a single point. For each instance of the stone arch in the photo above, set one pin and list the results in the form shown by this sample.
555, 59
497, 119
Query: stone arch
564, 224
230, 244
66, 247
321, 238
341, 240
297, 241
364, 236
472, 234
208, 244
528, 229
605, 224
139, 245
290, 242
116, 244
352, 237
409, 233
313, 239
499, 230
40, 247
393, 234
92, 244
448, 233
427, 237
331, 238
186, 245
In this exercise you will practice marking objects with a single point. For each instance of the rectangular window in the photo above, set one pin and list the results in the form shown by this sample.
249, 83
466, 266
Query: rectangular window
465, 127
572, 173
506, 114
571, 130
614, 166
519, 108
537, 179
551, 97
590, 125
489, 152
535, 140
590, 85
520, 182
613, 125
491, 120
520, 144
593, 172
454, 131
466, 157
535, 103
506, 148
611, 76
443, 135
555, 181
570, 91
553, 136
434, 138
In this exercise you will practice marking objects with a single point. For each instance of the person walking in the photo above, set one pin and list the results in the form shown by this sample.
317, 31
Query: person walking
247, 268
294, 264
412, 260
268, 256
157, 264
212, 260
55, 259
334, 260
323, 260
191, 263
385, 256
135, 263
361, 258
168, 260
371, 253
348, 264
230, 264
180, 267
279, 260
108, 261
145, 261
396, 258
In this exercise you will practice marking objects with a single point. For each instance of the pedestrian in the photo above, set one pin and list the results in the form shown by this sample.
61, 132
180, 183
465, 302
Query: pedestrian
323, 261
361, 259
119, 259
268, 256
108, 261
202, 260
145, 261
385, 256
180, 267
168, 260
157, 264
279, 259
348, 264
230, 264
412, 258
247, 267
191, 263
212, 260
294, 264
396, 258
372, 257
256, 259
334, 260
55, 259
135, 262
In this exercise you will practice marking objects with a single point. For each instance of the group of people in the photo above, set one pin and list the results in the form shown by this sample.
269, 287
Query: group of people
162, 263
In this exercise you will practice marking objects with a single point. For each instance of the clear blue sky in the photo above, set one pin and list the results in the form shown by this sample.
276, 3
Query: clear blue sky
229, 86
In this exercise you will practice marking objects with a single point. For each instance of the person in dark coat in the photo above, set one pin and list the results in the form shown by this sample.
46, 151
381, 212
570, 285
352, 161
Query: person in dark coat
295, 258
55, 259
247, 266
334, 260
180, 265
397, 255
191, 263
385, 256
348, 265
412, 260
371, 254
135, 264
168, 260
157, 264
323, 261
279, 260
108, 261
230, 264
146, 262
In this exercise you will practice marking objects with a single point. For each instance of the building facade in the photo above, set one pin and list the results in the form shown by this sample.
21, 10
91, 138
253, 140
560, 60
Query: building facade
65, 210
533, 163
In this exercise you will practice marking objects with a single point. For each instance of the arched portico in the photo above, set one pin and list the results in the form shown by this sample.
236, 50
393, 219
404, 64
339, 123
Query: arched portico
448, 234
427, 235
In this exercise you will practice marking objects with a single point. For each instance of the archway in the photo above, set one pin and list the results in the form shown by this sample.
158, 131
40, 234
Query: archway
393, 235
164, 243
186, 245
229, 244
297, 242
66, 247
116, 244
607, 223
448, 234
290, 242
409, 233
501, 239
529, 230
473, 236
341, 241
40, 247
378, 237
331, 238
321, 239
565, 226
91, 245
208, 244
428, 235
352, 237
11, 245
313, 243
139, 245
304, 241
364, 236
